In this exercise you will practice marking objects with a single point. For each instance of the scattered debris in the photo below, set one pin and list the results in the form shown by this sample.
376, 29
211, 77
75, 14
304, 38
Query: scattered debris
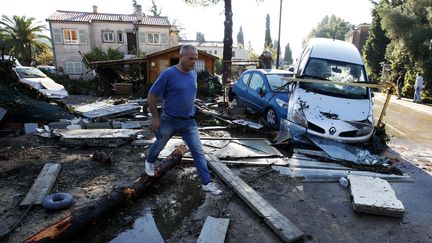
375, 196
214, 230
343, 182
230, 148
30, 128
331, 175
143, 142
2, 113
84, 217
112, 111
101, 157
281, 225
248, 124
42, 186
96, 137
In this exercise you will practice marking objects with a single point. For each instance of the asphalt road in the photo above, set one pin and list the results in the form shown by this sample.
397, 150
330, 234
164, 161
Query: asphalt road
410, 128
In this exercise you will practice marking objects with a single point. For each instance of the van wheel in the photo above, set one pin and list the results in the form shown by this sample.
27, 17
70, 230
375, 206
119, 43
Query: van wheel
271, 118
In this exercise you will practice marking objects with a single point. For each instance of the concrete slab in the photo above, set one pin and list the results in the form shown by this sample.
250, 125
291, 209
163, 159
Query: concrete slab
96, 137
214, 230
374, 196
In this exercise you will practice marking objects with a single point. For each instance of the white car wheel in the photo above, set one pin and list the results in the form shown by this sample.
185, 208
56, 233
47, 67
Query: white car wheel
271, 118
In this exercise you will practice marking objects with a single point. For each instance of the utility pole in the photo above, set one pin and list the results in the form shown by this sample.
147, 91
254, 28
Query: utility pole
278, 47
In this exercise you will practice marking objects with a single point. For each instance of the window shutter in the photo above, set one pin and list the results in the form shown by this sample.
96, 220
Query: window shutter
164, 39
82, 36
142, 38
57, 36
69, 67
78, 67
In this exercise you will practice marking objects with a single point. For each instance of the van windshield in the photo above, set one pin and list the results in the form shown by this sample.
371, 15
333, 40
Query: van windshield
338, 72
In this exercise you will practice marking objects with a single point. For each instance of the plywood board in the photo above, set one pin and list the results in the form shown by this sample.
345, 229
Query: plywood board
43, 184
214, 230
375, 196
280, 224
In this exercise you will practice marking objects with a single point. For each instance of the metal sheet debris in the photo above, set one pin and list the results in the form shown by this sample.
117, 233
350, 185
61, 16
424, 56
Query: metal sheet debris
329, 175
96, 137
347, 152
234, 148
112, 111
247, 123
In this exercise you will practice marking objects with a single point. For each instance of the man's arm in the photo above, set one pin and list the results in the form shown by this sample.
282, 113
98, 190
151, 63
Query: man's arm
152, 104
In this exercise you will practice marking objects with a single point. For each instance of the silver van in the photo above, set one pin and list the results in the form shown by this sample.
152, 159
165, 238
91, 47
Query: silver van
332, 111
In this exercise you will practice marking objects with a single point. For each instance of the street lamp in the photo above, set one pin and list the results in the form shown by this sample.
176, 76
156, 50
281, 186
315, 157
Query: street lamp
278, 47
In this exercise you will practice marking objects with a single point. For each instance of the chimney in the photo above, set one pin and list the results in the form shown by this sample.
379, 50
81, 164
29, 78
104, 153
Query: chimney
95, 8
139, 13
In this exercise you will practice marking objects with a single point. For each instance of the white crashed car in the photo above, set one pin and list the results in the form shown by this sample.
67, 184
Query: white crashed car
332, 111
38, 80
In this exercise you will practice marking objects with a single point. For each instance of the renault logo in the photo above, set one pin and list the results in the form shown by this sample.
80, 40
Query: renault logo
332, 130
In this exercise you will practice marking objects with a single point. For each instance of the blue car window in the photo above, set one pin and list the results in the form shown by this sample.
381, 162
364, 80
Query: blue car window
275, 81
256, 82
245, 78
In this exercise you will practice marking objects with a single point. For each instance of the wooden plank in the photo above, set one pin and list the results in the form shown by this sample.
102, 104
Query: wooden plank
43, 184
374, 196
214, 230
281, 225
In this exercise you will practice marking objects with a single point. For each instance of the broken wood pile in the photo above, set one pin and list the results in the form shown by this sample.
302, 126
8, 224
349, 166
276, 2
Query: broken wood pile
82, 218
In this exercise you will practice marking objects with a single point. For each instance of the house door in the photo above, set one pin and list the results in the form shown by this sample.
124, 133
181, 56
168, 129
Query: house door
131, 43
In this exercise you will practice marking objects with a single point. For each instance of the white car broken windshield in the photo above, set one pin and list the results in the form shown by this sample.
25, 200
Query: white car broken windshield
24, 72
338, 72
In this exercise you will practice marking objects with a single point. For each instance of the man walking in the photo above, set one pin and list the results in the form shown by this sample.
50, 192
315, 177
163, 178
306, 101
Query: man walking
177, 85
400, 82
418, 88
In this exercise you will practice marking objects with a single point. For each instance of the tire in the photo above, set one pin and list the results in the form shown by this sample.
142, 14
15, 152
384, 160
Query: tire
271, 118
57, 201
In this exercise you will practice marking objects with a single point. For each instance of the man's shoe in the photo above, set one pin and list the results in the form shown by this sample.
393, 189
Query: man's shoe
149, 168
212, 188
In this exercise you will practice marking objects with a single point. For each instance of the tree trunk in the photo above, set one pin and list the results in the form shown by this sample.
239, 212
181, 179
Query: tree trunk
83, 218
228, 42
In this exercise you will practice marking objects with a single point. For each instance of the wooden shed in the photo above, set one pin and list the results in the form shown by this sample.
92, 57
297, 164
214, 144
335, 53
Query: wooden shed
159, 61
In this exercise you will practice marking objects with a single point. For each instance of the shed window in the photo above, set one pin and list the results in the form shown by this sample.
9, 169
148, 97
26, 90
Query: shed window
199, 65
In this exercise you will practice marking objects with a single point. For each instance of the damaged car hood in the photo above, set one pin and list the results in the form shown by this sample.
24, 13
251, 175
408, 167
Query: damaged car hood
322, 107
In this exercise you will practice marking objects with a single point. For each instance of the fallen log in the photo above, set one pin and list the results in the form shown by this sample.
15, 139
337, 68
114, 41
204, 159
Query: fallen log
82, 218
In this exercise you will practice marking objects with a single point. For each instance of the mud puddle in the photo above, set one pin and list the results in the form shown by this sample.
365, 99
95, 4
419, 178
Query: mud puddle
173, 200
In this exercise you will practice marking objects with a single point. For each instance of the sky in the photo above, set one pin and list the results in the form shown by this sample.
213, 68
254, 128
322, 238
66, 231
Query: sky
298, 16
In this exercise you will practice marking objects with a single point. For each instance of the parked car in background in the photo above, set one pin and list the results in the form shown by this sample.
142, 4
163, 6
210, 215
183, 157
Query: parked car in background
40, 81
264, 91
48, 70
333, 111
11, 58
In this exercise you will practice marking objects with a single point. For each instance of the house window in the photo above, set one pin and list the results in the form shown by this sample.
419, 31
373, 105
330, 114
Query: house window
108, 36
70, 36
74, 68
210, 52
215, 52
119, 36
153, 38
233, 54
199, 65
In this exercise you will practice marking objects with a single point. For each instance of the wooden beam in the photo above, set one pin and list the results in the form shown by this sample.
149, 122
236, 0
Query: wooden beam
42, 185
213, 231
83, 218
281, 225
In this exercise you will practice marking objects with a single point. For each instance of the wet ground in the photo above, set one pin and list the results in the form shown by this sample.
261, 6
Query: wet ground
175, 208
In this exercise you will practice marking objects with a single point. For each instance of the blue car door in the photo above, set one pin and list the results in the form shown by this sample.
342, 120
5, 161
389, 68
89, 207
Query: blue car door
242, 88
254, 98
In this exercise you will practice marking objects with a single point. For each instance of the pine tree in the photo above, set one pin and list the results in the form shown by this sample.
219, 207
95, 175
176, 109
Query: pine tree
154, 10
268, 40
240, 37
288, 54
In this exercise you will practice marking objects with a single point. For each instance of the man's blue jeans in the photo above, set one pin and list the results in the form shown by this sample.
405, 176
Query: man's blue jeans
188, 129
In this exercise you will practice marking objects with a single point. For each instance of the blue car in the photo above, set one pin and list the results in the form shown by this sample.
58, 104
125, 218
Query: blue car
265, 92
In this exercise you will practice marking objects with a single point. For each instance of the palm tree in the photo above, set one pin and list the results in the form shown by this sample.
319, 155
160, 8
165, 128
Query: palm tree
24, 35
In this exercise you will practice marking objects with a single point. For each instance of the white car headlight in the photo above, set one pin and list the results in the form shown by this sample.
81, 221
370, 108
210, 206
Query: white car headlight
299, 116
282, 103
